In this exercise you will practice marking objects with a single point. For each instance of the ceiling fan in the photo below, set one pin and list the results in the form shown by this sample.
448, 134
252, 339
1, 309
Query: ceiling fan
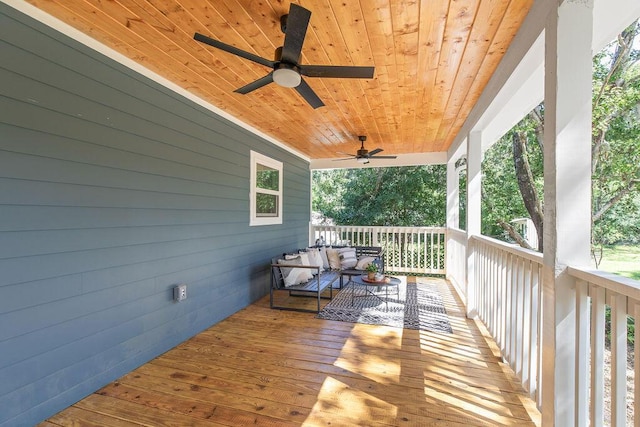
287, 70
363, 155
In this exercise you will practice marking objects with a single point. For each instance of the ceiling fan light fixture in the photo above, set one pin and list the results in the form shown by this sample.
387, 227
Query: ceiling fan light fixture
363, 160
286, 77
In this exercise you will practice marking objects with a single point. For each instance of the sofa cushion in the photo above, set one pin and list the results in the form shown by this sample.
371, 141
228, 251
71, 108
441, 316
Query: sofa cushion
347, 257
304, 260
323, 255
364, 262
291, 275
334, 259
314, 258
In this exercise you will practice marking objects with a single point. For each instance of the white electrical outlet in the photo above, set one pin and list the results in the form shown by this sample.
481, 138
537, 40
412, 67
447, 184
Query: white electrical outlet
180, 292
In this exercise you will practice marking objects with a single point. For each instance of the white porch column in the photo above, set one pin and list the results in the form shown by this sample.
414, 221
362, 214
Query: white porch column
453, 210
474, 212
567, 199
453, 195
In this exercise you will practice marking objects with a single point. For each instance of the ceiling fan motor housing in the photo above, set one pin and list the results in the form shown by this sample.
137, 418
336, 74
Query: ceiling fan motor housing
286, 75
362, 152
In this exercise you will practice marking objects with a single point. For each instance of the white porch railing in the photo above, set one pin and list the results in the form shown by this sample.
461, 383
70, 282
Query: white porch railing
407, 249
456, 267
508, 296
595, 290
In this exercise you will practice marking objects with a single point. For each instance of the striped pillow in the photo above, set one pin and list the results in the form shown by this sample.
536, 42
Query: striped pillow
347, 257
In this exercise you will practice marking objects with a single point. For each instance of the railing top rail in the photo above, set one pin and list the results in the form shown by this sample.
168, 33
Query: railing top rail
457, 232
510, 248
618, 284
389, 227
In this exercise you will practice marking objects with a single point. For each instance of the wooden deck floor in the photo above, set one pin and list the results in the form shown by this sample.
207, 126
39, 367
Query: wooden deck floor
277, 368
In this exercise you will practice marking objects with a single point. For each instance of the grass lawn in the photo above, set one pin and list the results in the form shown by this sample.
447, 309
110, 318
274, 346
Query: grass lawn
622, 260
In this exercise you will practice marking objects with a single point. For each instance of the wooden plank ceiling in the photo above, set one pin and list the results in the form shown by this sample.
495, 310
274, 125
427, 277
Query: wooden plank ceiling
432, 59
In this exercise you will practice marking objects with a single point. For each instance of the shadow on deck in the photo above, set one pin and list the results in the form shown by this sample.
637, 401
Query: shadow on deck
278, 368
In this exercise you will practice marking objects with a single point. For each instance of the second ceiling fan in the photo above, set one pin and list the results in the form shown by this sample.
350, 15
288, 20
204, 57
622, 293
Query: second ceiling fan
363, 155
287, 70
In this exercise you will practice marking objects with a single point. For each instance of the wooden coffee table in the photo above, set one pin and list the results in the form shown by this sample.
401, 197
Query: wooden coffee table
373, 288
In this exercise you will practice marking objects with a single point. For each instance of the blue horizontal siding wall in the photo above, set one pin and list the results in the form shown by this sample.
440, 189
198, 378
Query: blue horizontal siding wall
113, 189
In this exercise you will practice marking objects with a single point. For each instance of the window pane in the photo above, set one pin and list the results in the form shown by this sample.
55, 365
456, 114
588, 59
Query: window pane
266, 190
267, 177
266, 205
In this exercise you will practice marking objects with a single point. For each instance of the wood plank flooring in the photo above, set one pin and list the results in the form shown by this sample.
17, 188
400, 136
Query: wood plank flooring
278, 368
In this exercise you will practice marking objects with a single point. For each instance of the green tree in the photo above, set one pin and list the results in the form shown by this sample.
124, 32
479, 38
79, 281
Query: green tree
407, 196
616, 143
327, 191
615, 156
513, 180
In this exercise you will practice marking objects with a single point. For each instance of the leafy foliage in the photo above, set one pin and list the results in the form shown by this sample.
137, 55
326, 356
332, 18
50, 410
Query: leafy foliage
616, 142
615, 153
501, 201
407, 196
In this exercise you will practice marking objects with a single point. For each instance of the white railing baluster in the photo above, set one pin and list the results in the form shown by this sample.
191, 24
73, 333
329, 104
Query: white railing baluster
582, 355
508, 309
477, 263
492, 267
495, 292
526, 324
597, 355
515, 263
483, 280
436, 250
498, 280
504, 258
618, 360
535, 328
433, 254
405, 248
519, 317
486, 285
443, 251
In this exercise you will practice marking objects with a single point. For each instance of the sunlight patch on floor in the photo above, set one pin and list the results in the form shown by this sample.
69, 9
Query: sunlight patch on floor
469, 408
337, 397
381, 370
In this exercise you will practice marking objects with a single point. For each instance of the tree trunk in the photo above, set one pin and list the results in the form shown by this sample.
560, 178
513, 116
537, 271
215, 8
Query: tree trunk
513, 233
526, 185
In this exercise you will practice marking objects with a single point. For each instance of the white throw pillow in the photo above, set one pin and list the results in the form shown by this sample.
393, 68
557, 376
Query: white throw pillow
291, 275
315, 258
297, 276
334, 259
364, 262
304, 260
347, 257
323, 255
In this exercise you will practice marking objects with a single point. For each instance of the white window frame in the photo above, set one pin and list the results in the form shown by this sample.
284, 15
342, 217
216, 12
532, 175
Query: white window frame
254, 219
